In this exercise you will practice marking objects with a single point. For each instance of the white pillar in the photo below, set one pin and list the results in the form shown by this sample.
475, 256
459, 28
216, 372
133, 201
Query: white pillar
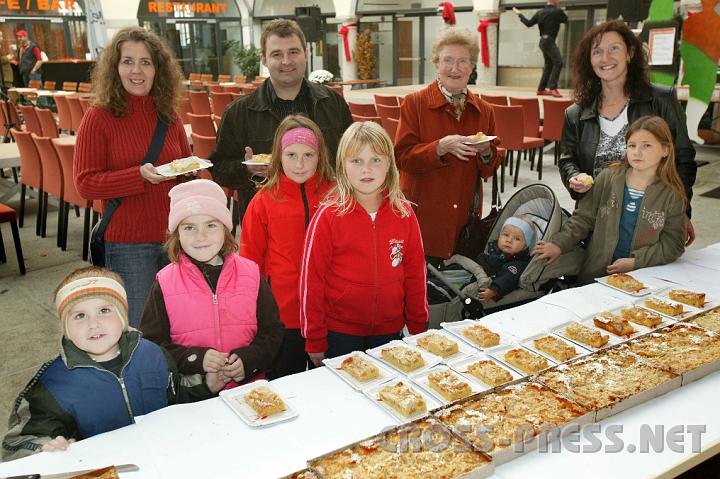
348, 68
488, 11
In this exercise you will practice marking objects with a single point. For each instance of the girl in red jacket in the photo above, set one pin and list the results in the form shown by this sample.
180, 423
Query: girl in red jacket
210, 307
273, 228
363, 268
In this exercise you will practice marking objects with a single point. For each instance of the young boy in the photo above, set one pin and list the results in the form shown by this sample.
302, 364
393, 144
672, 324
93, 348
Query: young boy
506, 259
105, 375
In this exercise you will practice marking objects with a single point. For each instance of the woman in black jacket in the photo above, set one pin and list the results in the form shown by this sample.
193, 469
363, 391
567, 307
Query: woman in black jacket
611, 91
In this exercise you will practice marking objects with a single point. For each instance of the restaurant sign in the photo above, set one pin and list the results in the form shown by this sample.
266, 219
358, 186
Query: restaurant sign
198, 8
41, 7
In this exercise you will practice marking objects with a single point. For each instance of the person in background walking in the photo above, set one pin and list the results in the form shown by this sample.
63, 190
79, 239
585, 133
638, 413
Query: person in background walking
548, 20
29, 59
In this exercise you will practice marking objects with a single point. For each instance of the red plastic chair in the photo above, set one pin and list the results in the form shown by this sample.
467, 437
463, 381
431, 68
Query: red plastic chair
8, 215
13, 114
47, 122
199, 102
85, 104
32, 175
53, 182
185, 108
215, 88
387, 100
390, 125
219, 101
76, 112
64, 116
202, 145
202, 124
495, 99
232, 88
32, 122
65, 152
531, 114
509, 128
553, 122
385, 111
363, 109
376, 119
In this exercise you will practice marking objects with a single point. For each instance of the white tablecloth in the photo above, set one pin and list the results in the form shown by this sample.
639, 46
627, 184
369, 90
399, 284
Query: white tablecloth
206, 439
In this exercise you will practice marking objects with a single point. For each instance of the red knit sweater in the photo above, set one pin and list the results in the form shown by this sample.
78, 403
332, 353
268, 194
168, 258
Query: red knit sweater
107, 160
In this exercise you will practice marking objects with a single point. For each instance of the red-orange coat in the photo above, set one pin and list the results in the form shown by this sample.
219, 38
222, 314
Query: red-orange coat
442, 188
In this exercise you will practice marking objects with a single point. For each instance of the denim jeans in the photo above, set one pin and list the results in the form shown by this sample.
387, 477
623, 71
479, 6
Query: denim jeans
339, 343
553, 64
137, 264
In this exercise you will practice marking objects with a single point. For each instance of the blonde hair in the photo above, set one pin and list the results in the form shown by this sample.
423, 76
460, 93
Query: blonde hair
667, 169
324, 171
455, 36
174, 248
357, 136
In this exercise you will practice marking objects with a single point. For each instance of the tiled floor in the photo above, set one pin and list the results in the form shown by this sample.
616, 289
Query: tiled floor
29, 330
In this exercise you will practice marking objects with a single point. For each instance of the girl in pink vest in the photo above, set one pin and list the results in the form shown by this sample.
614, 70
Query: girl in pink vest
211, 308
274, 225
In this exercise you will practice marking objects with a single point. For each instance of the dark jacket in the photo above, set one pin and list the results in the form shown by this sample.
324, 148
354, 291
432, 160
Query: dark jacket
504, 269
581, 134
72, 396
250, 121
548, 20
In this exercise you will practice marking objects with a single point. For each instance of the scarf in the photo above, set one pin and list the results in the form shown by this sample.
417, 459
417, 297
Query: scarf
457, 100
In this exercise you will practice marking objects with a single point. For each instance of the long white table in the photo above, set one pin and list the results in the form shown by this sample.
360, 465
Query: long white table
206, 439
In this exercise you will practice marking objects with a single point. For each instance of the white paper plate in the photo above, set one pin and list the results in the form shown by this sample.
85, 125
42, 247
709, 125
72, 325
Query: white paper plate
464, 349
462, 365
430, 401
456, 328
528, 343
334, 365
644, 329
430, 359
421, 380
688, 310
559, 330
166, 170
489, 138
235, 398
643, 292
498, 353
710, 302
255, 163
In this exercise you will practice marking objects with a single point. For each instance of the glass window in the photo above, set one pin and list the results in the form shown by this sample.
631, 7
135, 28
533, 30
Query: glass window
274, 8
230, 35
43, 8
78, 37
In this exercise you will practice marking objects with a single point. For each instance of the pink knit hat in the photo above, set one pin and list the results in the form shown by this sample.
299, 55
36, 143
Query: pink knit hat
198, 197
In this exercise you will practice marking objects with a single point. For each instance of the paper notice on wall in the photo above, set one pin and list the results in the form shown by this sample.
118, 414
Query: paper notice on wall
662, 46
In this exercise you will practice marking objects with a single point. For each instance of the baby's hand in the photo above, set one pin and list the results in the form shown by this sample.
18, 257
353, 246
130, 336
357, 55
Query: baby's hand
213, 361
621, 265
486, 294
57, 444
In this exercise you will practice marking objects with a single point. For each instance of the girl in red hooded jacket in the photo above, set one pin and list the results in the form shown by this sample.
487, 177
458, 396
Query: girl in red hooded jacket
362, 277
274, 225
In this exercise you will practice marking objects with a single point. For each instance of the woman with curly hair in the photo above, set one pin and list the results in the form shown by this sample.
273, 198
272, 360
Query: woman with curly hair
137, 84
612, 90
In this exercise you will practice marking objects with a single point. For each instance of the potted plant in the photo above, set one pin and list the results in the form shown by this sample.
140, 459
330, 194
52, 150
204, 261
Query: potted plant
247, 60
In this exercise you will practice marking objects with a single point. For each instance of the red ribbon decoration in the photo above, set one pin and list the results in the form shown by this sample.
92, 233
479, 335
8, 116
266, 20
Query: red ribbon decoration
484, 47
448, 12
344, 31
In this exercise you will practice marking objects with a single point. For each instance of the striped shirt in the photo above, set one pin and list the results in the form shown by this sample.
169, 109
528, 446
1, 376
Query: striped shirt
632, 199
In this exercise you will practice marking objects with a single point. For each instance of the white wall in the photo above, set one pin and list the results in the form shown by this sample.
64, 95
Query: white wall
119, 14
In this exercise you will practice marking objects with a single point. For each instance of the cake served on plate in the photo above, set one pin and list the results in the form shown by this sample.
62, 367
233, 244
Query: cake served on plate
403, 358
481, 336
641, 316
360, 368
449, 385
526, 361
555, 347
184, 165
403, 399
582, 334
665, 307
614, 324
688, 297
490, 372
625, 282
264, 401
261, 158
438, 344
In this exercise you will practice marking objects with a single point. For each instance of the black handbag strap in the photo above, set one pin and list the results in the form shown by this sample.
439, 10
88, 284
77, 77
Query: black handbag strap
496, 202
151, 156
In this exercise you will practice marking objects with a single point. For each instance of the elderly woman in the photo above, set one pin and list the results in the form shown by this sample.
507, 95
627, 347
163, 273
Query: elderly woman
438, 168
611, 91
137, 85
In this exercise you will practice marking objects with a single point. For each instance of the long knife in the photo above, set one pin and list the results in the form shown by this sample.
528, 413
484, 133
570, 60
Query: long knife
67, 475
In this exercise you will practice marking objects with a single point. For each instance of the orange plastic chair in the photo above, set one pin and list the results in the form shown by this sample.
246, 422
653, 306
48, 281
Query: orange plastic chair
65, 152
232, 89
219, 102
69, 86
185, 108
8, 215
385, 111
509, 128
53, 182
202, 145
13, 113
199, 102
495, 99
205, 77
85, 104
376, 119
32, 175
194, 77
249, 89
49, 85
387, 100
34, 84
32, 123
215, 87
531, 114
362, 109
223, 78
202, 124
390, 125
84, 87
76, 112
240, 78
553, 122
64, 116
47, 122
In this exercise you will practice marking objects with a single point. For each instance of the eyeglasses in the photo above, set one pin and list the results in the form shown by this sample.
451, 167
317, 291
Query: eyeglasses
461, 63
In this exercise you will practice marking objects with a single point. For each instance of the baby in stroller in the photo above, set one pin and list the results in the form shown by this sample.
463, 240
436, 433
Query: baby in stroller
505, 259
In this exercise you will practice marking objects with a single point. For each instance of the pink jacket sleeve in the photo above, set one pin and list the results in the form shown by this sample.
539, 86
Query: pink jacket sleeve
416, 305
316, 259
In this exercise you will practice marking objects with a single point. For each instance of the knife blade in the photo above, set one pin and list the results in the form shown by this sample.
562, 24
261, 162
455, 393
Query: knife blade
67, 475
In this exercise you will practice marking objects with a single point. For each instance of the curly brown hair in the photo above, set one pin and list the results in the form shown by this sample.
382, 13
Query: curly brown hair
587, 84
167, 89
